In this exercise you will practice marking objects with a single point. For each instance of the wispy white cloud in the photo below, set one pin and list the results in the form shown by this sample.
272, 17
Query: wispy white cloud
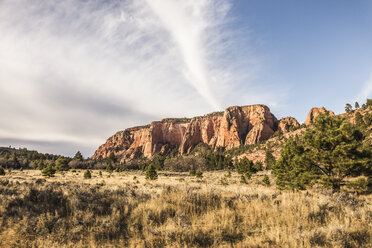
77, 71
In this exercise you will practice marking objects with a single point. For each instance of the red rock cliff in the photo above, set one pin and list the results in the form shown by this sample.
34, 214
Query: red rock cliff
314, 112
221, 130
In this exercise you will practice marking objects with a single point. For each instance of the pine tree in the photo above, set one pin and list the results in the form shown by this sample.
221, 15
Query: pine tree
87, 174
151, 172
112, 157
328, 153
192, 171
199, 174
348, 108
269, 159
109, 167
266, 181
62, 164
48, 171
78, 156
356, 105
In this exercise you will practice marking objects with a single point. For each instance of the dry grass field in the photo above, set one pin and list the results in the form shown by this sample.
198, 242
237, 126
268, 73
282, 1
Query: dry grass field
177, 210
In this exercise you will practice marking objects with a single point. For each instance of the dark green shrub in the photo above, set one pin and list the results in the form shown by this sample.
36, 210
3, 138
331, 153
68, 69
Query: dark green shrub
243, 179
78, 156
2, 171
48, 171
199, 174
266, 181
151, 172
87, 174
192, 172
109, 167
269, 160
228, 174
62, 164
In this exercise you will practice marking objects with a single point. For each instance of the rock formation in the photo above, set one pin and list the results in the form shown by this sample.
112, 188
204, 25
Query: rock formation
287, 124
314, 112
220, 130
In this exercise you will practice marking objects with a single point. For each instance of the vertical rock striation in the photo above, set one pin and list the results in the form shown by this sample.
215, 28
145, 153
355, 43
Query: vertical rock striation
237, 125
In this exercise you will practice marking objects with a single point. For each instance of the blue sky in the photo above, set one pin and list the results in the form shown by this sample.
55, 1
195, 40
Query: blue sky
320, 50
74, 72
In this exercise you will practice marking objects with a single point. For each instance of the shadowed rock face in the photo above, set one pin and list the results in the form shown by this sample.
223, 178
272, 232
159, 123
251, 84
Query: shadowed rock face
314, 112
221, 131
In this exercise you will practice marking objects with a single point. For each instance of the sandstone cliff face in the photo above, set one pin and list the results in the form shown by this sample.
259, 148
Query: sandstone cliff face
314, 112
287, 123
146, 140
220, 130
235, 126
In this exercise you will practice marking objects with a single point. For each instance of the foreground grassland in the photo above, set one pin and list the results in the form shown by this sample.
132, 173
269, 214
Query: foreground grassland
177, 210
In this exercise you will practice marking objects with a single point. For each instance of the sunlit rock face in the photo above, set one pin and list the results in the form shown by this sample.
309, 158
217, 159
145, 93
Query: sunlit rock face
225, 130
286, 124
315, 112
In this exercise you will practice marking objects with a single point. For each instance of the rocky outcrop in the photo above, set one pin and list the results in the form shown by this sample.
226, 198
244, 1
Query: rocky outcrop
314, 112
221, 130
288, 124
231, 128
146, 140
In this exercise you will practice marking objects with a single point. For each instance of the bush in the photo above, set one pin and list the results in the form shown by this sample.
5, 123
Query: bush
266, 181
243, 179
62, 164
185, 163
245, 165
2, 172
269, 160
87, 174
199, 174
192, 172
151, 172
48, 171
109, 167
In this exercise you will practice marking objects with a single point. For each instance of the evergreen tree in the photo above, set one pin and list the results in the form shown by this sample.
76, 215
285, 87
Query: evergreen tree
40, 164
192, 171
62, 164
78, 156
356, 105
199, 174
87, 174
48, 171
328, 153
269, 159
151, 172
109, 167
112, 157
348, 108
244, 165
158, 161
243, 179
266, 180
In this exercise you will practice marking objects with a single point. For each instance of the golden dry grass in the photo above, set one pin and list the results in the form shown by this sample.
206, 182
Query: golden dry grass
125, 210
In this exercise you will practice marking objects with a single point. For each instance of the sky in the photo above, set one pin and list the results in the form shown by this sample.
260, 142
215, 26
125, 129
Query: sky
74, 72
